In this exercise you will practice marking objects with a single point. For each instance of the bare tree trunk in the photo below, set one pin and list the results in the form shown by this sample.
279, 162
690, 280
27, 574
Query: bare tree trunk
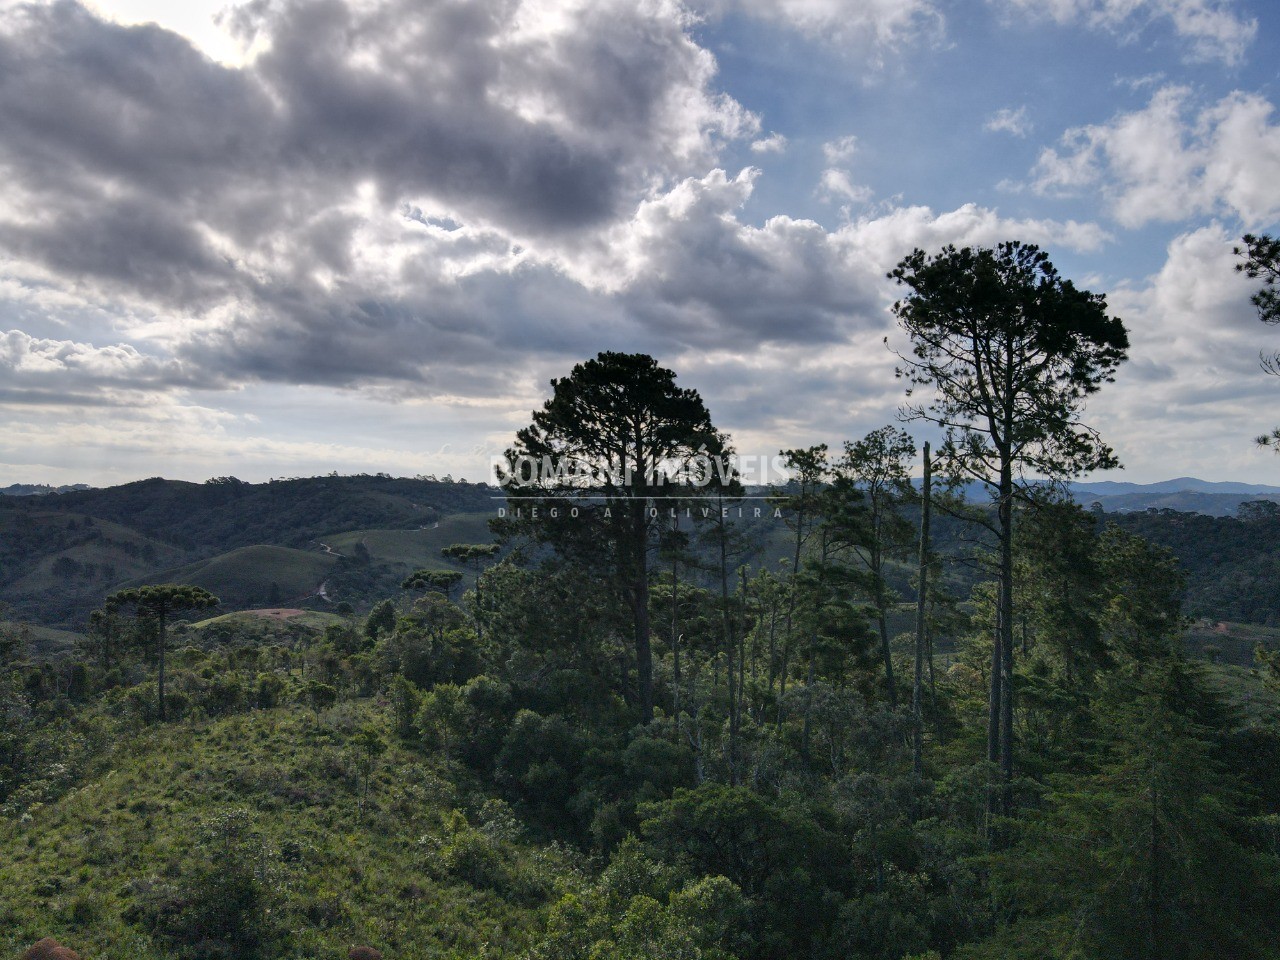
885, 651
640, 593
742, 653
922, 600
933, 692
675, 620
993, 726
808, 698
726, 623
791, 609
1006, 636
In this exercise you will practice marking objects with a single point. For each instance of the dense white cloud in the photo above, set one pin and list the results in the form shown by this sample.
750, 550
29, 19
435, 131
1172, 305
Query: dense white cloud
534, 119
1170, 161
1193, 390
885, 238
1214, 27
695, 273
363, 201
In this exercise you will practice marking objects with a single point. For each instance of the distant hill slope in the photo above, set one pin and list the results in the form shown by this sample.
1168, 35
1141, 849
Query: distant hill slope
39, 489
226, 513
1232, 565
1188, 494
62, 553
1185, 501
253, 576
54, 566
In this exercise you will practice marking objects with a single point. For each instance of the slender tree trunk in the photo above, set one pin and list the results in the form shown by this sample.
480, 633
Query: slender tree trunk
1006, 635
479, 615
675, 622
876, 563
742, 654
784, 669
922, 600
726, 623
808, 697
885, 652
772, 661
1153, 884
640, 591
993, 727
791, 607
933, 691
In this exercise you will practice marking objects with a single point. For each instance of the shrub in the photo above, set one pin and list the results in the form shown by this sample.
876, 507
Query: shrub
268, 690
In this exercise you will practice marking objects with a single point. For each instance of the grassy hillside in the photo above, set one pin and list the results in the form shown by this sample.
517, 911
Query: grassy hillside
261, 627
415, 863
253, 576
62, 554
225, 513
269, 619
41, 642
56, 566
413, 549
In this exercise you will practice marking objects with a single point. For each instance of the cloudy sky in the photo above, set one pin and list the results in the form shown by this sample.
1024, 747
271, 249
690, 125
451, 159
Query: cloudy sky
293, 236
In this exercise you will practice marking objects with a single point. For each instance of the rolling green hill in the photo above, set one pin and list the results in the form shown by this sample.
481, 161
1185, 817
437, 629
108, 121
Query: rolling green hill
412, 549
225, 513
253, 576
390, 862
261, 627
41, 642
54, 566
61, 554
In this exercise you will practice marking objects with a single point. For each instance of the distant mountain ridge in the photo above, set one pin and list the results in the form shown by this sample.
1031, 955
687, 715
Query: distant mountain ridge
1111, 488
1183, 494
1216, 498
39, 489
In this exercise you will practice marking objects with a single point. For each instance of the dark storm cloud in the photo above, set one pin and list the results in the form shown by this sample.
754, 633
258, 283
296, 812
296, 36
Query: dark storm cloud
142, 169
458, 338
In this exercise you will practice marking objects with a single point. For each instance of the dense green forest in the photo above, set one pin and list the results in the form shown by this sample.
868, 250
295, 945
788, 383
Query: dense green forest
627, 721
466, 776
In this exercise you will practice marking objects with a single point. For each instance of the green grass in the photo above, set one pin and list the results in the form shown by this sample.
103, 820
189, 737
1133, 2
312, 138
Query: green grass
247, 619
414, 549
44, 642
245, 576
1233, 643
249, 627
49, 537
382, 875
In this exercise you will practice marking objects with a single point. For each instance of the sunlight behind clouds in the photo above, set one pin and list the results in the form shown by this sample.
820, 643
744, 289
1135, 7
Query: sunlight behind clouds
197, 20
